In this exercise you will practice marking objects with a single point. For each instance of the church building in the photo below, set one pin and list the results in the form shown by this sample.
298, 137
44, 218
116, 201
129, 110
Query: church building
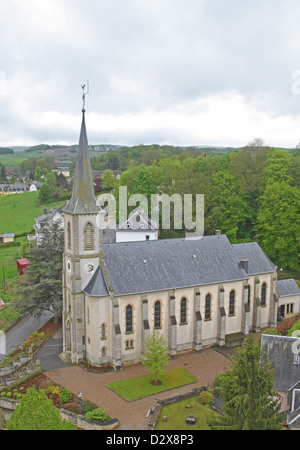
197, 293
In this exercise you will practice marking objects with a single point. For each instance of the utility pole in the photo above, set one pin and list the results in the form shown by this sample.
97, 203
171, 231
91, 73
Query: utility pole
4, 278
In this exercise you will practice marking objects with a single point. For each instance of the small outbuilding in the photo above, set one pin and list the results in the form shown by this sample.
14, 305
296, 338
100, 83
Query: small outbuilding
22, 264
7, 237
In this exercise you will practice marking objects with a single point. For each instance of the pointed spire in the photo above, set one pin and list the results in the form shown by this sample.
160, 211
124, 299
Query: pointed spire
83, 199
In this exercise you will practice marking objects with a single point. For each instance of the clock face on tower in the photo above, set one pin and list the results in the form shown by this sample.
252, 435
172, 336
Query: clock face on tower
89, 267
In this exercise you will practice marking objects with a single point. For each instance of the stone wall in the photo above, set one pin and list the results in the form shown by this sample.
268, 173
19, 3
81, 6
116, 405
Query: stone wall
87, 424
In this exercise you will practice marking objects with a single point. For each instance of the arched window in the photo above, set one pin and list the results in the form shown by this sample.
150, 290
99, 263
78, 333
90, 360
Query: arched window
89, 237
69, 235
263, 294
208, 307
183, 310
103, 331
103, 352
249, 295
231, 302
157, 314
129, 327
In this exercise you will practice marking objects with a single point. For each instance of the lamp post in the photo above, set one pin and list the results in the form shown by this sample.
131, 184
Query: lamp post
79, 399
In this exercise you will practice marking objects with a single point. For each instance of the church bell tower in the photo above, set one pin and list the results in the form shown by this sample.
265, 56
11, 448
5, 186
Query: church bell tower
83, 244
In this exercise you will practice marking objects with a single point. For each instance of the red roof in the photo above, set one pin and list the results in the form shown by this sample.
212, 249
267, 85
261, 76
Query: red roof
23, 261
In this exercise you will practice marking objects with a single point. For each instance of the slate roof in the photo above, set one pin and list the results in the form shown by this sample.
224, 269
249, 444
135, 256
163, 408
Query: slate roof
258, 260
279, 350
287, 287
97, 284
150, 266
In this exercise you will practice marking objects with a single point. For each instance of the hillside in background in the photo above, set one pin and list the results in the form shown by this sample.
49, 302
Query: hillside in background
17, 212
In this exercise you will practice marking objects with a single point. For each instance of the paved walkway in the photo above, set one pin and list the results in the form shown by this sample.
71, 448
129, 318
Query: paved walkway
204, 366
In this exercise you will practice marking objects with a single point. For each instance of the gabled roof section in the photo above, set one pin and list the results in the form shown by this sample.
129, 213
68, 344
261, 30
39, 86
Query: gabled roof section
138, 221
258, 261
280, 350
287, 287
83, 199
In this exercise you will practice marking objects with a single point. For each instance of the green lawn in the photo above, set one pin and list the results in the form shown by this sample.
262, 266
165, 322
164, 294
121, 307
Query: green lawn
135, 388
17, 212
178, 412
8, 317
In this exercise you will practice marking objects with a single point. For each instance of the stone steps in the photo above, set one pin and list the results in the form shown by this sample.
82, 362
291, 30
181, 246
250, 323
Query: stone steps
16, 371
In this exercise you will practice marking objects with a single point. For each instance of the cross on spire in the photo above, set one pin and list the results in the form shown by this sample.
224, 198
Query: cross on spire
84, 94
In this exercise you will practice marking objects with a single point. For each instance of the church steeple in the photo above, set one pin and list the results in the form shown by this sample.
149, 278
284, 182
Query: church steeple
83, 199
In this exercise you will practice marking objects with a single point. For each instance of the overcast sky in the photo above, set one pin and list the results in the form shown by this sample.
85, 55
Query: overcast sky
181, 72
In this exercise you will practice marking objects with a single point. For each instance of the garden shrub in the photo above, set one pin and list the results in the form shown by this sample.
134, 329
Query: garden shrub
206, 398
295, 327
65, 396
53, 389
87, 406
271, 331
97, 414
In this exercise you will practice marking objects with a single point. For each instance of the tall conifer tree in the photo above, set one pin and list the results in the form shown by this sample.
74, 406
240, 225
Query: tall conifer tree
250, 403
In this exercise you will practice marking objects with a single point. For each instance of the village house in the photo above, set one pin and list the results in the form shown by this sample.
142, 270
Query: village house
284, 354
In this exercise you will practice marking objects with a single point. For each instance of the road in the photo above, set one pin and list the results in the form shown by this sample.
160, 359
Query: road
20, 332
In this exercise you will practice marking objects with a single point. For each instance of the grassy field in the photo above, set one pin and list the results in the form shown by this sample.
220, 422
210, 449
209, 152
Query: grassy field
14, 160
178, 412
17, 212
135, 388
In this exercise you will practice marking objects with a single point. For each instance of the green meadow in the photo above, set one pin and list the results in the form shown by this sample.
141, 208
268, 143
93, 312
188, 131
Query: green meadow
17, 212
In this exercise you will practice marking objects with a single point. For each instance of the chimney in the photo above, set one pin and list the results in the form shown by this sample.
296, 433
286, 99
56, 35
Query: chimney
218, 232
244, 264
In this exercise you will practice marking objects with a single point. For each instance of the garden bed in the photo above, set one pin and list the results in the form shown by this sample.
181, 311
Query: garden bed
40, 381
33, 343
97, 369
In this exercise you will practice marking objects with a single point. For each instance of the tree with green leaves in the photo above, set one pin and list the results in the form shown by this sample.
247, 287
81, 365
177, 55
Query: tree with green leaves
44, 193
156, 356
250, 403
40, 288
109, 180
3, 178
144, 183
36, 412
228, 208
278, 224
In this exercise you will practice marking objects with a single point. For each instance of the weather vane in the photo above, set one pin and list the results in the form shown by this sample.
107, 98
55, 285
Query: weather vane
84, 94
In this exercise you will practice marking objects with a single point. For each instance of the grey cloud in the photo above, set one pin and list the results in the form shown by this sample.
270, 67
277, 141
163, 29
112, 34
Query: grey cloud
143, 55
